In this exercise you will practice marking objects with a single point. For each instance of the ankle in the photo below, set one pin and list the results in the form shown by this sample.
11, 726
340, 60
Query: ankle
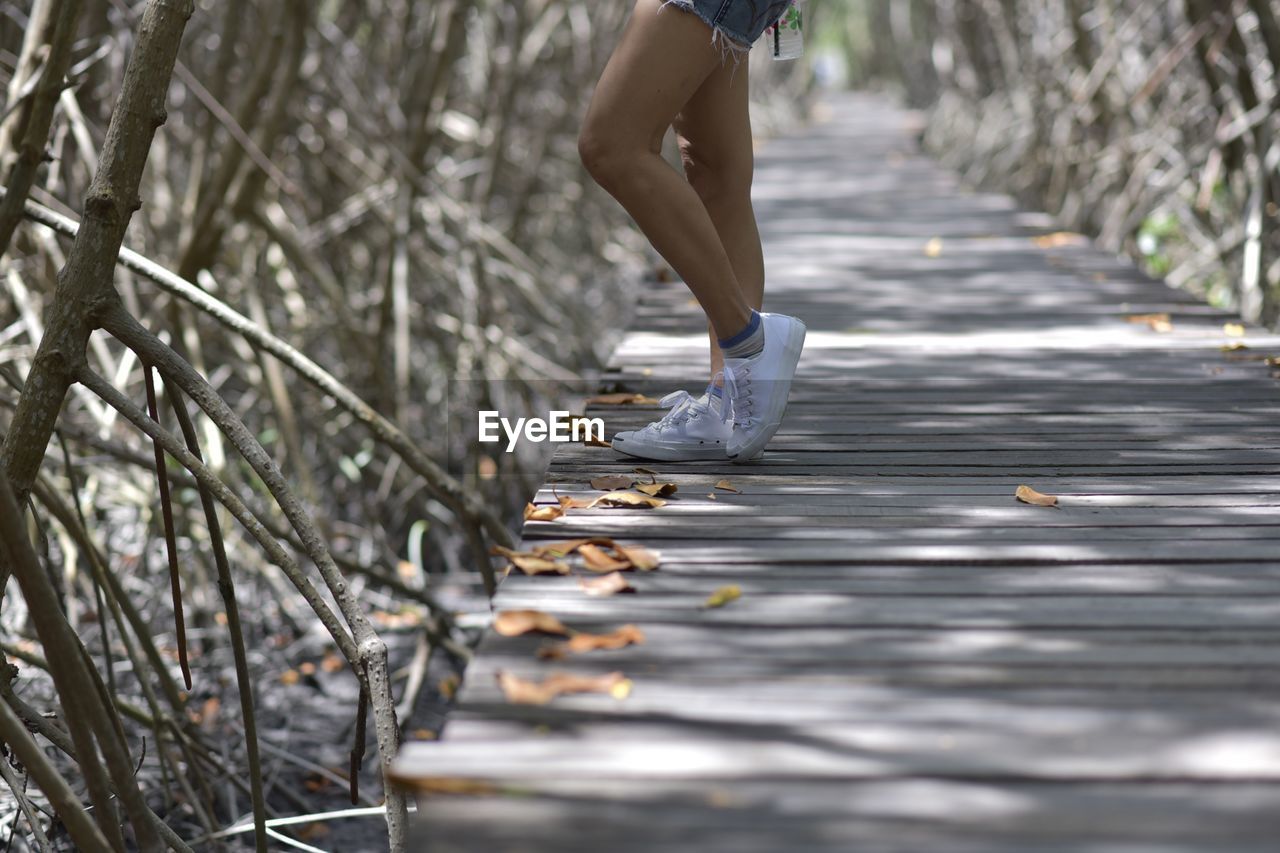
746, 342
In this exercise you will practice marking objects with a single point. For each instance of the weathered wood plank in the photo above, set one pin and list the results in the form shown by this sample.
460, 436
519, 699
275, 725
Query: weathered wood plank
886, 816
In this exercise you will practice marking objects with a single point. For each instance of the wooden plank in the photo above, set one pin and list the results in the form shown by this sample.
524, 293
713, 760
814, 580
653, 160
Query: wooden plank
887, 816
841, 611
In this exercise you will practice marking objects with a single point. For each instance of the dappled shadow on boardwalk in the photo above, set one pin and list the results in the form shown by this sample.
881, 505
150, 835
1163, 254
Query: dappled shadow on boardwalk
917, 661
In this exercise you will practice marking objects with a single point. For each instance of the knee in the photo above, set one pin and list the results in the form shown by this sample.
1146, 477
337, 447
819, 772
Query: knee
602, 154
718, 180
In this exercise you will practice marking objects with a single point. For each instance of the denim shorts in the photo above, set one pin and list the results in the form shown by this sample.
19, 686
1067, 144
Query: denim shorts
738, 23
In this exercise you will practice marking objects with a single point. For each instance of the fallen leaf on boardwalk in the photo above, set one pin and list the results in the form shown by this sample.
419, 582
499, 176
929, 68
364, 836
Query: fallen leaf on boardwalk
1233, 330
1273, 361
641, 559
525, 692
1059, 239
575, 503
612, 481
1156, 322
1026, 494
647, 472
513, 623
566, 547
542, 513
725, 485
597, 442
610, 584
448, 686
657, 490
723, 596
628, 499
712, 495
531, 562
290, 677
627, 635
534, 565
622, 399
595, 559
933, 248
1234, 346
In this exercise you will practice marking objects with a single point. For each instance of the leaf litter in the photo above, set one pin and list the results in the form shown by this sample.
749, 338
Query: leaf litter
1028, 495
526, 692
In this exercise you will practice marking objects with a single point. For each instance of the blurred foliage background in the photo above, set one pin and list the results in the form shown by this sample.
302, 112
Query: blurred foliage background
1149, 124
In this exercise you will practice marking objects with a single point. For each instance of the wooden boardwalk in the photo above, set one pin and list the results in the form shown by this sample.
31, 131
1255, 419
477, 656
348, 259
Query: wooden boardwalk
918, 662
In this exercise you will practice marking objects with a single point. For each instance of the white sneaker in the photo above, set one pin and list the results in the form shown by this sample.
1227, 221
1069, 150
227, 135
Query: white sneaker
694, 429
757, 387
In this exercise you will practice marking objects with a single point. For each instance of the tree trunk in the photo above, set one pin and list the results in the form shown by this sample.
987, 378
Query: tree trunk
85, 284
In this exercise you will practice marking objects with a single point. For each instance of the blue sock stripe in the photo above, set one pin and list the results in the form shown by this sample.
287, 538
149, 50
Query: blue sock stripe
715, 390
748, 331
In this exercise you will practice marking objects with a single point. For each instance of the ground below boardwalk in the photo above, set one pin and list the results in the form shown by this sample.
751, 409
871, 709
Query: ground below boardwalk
918, 661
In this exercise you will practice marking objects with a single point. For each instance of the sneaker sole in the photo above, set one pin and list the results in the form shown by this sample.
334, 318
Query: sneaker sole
660, 454
755, 448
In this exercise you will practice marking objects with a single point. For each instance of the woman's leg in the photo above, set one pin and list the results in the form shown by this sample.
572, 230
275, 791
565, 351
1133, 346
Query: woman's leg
661, 61
714, 132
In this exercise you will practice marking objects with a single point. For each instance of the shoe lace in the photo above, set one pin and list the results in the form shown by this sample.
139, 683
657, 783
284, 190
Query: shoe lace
738, 397
683, 406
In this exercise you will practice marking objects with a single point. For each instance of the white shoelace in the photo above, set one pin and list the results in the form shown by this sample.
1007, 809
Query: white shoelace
683, 406
737, 392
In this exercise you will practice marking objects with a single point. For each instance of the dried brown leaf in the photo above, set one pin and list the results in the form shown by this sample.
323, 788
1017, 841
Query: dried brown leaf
531, 565
1059, 239
629, 499
595, 559
513, 623
1156, 322
627, 635
1028, 495
641, 559
657, 490
726, 486
525, 692
605, 585
532, 562
542, 513
566, 547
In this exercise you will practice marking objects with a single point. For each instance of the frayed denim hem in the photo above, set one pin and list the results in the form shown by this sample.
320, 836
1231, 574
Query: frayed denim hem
728, 43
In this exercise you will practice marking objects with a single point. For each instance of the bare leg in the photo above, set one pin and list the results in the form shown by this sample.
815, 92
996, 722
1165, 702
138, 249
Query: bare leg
714, 131
661, 60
